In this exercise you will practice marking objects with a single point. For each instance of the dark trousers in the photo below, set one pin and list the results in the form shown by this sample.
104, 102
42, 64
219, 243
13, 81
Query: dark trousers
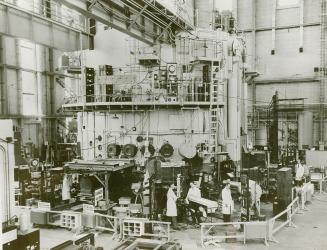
195, 213
174, 221
226, 217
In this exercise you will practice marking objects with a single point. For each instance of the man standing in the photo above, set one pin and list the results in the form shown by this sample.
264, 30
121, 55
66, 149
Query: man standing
299, 172
171, 205
228, 203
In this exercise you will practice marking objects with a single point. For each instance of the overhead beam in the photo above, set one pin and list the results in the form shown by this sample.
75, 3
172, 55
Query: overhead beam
19, 23
141, 20
114, 21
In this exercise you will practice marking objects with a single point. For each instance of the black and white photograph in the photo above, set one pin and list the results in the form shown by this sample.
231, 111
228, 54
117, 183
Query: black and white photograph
163, 124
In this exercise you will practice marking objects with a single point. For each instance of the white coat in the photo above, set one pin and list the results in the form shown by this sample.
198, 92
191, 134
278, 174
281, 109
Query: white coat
65, 192
256, 192
228, 203
171, 203
299, 172
194, 191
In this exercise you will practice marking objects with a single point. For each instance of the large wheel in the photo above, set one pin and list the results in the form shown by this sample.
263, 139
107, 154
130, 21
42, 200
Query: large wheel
129, 150
166, 150
113, 150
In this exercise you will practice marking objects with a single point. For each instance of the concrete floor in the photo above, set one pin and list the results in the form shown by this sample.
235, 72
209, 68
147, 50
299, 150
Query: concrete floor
310, 234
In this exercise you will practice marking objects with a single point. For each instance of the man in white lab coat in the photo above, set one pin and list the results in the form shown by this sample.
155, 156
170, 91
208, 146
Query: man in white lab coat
299, 172
228, 203
66, 185
171, 205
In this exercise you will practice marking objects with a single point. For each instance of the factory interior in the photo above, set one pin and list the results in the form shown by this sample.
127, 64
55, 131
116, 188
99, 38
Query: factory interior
163, 124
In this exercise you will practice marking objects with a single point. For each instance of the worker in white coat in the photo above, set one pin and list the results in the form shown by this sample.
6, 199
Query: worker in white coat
227, 201
171, 205
299, 173
194, 208
255, 192
66, 185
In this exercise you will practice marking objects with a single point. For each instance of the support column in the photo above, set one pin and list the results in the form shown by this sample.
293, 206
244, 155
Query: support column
52, 138
106, 187
273, 25
3, 79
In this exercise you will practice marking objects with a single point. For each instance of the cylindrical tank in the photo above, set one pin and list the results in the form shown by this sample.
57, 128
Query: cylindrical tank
261, 136
305, 129
187, 150
233, 111
204, 13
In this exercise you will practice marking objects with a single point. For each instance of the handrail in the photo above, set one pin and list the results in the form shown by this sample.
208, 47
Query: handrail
290, 211
209, 234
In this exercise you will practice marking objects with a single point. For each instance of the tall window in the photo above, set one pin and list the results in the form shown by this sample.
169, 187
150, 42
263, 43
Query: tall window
30, 92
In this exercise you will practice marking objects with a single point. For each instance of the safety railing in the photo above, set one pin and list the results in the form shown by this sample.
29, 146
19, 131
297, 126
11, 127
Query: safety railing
289, 212
214, 233
120, 227
54, 218
157, 229
141, 227
107, 223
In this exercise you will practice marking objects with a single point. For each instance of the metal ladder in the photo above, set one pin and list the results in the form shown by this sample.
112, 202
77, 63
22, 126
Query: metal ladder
213, 110
323, 64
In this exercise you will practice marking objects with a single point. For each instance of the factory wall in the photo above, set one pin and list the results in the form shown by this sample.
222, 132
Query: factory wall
29, 98
261, 12
287, 62
288, 70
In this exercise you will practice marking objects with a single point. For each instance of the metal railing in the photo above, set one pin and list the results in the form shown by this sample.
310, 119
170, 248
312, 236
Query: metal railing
107, 223
213, 233
290, 212
102, 222
235, 230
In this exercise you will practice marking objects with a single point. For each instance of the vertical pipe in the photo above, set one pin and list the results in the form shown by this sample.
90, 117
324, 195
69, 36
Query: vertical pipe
300, 130
301, 23
232, 103
3, 85
273, 25
204, 10
106, 188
